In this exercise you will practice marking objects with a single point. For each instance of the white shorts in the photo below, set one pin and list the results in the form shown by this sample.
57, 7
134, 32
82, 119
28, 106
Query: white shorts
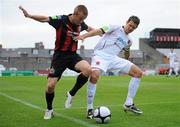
114, 63
171, 64
176, 66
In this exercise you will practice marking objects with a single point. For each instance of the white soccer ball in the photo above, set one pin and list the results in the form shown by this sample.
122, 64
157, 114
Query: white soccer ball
102, 114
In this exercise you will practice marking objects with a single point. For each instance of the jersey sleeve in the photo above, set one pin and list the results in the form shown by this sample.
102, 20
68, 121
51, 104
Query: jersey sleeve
55, 21
84, 26
108, 28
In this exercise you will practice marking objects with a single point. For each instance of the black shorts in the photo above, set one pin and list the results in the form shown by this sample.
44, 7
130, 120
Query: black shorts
61, 61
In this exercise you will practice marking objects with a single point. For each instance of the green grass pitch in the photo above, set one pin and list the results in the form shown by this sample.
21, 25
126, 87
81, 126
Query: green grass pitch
22, 102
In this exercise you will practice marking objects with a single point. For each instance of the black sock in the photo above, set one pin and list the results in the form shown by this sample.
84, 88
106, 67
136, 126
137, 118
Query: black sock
81, 80
49, 100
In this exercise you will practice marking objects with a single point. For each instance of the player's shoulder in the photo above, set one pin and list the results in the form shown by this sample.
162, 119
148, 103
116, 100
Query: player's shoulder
110, 26
59, 17
115, 26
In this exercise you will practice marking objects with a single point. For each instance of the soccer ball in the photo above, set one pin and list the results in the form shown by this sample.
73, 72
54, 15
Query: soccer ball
102, 114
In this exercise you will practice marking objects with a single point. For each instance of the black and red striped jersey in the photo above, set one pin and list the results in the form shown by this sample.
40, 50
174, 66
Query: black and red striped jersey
65, 33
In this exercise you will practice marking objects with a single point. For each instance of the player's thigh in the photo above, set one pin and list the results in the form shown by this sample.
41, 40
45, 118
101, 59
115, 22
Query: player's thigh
58, 65
84, 67
77, 64
120, 64
100, 62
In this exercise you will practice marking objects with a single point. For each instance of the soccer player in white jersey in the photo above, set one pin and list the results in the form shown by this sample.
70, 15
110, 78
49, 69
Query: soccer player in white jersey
114, 39
176, 66
172, 57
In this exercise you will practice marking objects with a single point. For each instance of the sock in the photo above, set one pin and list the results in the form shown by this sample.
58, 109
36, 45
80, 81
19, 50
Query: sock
176, 72
81, 80
91, 90
133, 87
49, 100
170, 72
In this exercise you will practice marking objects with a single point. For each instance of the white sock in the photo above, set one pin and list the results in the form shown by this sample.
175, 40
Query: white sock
133, 87
170, 72
176, 72
91, 90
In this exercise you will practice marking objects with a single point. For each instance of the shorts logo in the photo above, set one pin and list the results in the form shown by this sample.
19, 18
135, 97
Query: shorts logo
52, 71
97, 62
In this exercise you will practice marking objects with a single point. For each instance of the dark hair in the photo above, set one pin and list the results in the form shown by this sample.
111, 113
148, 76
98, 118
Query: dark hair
135, 19
81, 8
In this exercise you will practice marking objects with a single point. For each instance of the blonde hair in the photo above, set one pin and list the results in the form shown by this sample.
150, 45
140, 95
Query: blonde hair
82, 9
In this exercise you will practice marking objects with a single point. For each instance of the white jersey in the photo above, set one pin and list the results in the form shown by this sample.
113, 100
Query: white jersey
105, 53
113, 41
171, 56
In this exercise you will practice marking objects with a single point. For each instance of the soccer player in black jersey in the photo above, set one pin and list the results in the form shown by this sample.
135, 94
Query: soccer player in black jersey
67, 28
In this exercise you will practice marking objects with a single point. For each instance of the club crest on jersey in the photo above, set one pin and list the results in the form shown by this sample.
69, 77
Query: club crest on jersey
52, 71
97, 62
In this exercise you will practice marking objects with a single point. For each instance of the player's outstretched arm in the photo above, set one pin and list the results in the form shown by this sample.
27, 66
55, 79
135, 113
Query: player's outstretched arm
39, 18
89, 29
91, 33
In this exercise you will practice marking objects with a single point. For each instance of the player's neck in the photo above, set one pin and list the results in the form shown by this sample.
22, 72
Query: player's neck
125, 30
71, 18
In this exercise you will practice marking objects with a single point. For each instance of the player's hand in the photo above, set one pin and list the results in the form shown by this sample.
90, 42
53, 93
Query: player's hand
80, 38
24, 12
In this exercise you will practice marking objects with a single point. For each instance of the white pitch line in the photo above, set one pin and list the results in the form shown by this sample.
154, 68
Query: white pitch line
78, 121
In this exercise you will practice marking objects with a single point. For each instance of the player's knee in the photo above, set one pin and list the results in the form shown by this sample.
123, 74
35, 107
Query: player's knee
87, 72
51, 86
139, 74
136, 72
94, 77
